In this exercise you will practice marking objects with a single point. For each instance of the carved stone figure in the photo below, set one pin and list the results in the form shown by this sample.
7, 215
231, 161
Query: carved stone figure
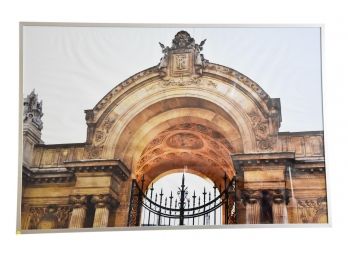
32, 111
164, 60
183, 39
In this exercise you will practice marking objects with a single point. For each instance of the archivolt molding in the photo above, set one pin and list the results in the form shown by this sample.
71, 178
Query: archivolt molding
230, 108
124, 86
218, 72
230, 73
257, 115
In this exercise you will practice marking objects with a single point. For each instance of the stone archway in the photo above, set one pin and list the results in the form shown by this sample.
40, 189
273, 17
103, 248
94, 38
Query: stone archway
185, 111
175, 132
193, 117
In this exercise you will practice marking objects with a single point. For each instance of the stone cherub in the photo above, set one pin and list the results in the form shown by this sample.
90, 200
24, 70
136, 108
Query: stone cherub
200, 62
164, 60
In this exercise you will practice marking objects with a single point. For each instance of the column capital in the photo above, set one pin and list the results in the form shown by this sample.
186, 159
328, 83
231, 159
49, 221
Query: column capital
279, 196
103, 200
78, 201
251, 196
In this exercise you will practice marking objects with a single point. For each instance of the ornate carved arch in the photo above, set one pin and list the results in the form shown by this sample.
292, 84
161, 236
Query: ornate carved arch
152, 99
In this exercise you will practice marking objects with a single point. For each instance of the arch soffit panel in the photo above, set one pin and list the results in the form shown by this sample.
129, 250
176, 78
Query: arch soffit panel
167, 120
227, 110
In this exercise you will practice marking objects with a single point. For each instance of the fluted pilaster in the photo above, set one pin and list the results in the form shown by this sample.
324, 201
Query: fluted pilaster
279, 211
78, 215
252, 206
102, 210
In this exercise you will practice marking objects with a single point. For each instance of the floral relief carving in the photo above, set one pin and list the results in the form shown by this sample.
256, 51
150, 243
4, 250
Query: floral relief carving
254, 117
57, 216
101, 133
94, 152
264, 141
185, 141
261, 131
99, 136
313, 210
108, 122
187, 82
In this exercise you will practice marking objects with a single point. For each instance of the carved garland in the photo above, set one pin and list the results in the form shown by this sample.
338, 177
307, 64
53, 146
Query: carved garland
94, 152
261, 128
186, 82
101, 133
61, 214
311, 210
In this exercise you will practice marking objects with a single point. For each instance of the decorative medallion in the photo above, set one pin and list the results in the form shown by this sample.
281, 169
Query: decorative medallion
185, 141
94, 152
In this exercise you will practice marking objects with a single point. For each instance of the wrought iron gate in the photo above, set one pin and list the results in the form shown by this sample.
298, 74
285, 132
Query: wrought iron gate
152, 209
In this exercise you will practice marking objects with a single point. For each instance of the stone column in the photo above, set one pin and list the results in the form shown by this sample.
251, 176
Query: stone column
252, 206
78, 215
279, 211
102, 206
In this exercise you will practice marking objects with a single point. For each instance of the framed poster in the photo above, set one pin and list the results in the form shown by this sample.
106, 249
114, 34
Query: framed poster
213, 126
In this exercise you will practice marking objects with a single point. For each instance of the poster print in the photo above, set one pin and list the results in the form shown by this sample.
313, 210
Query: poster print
171, 136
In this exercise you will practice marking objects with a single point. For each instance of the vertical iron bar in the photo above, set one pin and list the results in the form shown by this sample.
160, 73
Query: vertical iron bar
160, 209
204, 193
144, 209
176, 206
170, 206
182, 200
165, 210
151, 191
209, 199
188, 206
154, 218
199, 204
214, 204
194, 203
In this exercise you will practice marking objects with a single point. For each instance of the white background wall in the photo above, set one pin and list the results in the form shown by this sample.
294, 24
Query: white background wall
329, 241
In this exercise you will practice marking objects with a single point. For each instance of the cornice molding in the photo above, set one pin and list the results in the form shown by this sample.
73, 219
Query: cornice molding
63, 175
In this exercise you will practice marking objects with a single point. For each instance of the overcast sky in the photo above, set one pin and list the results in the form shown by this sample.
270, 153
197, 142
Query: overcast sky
72, 68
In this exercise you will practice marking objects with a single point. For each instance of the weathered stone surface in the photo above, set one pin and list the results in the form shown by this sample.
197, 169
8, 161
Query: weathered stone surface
183, 111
